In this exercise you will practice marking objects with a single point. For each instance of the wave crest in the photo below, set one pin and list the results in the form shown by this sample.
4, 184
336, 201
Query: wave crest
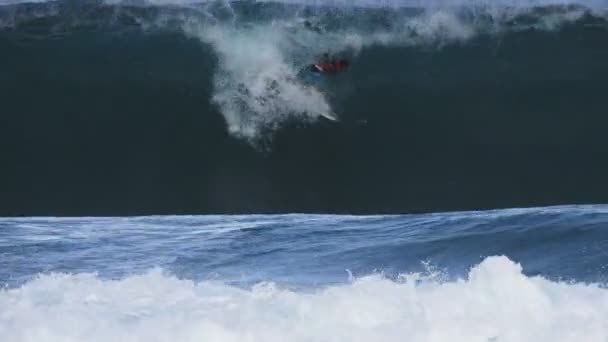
496, 303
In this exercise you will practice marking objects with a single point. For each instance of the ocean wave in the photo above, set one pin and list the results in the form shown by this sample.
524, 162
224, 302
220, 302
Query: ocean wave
496, 302
258, 83
313, 249
354, 3
438, 103
263, 48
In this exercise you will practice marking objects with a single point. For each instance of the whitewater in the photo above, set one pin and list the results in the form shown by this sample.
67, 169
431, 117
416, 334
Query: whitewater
504, 275
262, 48
138, 107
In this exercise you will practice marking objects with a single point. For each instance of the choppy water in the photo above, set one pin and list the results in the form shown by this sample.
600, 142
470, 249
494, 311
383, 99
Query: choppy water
505, 275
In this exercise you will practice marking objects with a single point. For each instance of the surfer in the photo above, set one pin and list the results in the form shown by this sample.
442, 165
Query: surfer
329, 65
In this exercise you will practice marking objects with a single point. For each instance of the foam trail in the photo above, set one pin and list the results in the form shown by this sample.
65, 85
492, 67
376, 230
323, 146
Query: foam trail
496, 303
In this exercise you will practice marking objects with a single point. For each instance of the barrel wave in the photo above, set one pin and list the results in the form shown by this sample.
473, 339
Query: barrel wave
207, 107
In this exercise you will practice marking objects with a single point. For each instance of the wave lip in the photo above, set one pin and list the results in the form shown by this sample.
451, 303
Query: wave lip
495, 303
384, 3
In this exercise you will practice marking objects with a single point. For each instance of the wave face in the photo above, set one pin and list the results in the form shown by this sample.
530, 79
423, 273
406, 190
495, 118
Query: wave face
506, 275
210, 103
262, 48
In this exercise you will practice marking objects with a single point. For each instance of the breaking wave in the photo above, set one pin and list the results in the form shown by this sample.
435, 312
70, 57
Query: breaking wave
496, 302
502, 101
263, 48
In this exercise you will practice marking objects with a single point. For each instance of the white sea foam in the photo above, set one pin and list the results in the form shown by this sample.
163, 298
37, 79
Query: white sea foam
496, 303
257, 83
